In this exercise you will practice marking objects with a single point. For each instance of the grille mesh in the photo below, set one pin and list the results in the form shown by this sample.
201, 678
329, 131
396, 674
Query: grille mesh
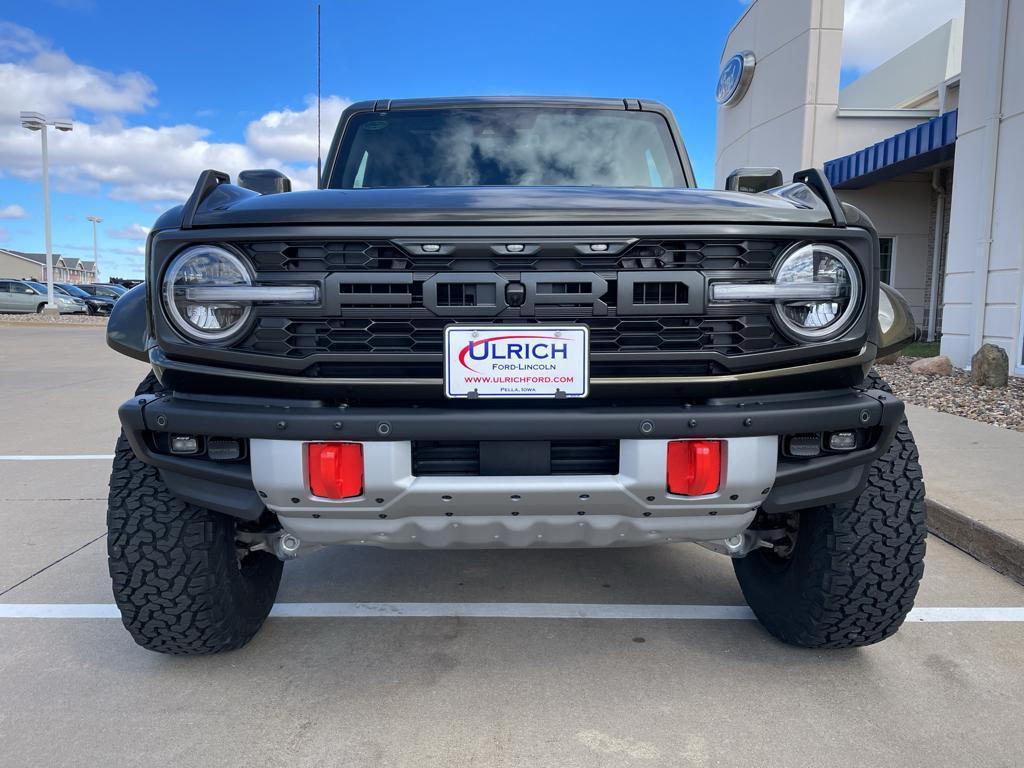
299, 338
462, 457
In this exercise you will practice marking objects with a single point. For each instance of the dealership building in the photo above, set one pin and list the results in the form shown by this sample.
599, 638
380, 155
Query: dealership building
930, 145
21, 265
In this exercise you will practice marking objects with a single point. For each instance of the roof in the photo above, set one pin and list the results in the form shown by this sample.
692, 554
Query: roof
70, 262
930, 143
38, 258
380, 105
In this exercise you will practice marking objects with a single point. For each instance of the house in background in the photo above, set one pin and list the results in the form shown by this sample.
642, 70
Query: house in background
32, 266
930, 145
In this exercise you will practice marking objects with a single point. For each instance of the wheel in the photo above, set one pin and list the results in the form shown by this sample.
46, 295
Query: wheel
178, 579
90, 311
851, 571
40, 308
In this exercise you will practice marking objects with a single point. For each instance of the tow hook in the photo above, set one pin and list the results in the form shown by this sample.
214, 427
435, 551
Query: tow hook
740, 545
286, 546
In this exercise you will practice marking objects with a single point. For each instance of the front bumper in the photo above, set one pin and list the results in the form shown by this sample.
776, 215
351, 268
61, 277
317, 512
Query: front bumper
399, 509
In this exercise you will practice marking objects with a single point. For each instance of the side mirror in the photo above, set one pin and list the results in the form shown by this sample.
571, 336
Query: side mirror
265, 181
753, 179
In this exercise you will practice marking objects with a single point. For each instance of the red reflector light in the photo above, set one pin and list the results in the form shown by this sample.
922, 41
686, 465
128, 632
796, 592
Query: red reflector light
694, 467
336, 470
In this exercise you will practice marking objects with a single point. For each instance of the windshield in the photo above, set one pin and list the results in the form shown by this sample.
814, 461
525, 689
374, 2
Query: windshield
74, 290
507, 146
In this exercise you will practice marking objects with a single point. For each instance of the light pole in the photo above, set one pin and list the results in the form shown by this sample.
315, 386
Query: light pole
95, 252
34, 121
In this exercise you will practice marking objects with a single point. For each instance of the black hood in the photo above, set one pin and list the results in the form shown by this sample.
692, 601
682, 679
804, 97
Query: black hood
228, 205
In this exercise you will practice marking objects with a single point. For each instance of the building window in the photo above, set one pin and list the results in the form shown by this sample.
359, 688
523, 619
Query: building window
887, 249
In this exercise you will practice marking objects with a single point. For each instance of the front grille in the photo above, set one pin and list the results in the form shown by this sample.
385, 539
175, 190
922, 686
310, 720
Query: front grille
456, 458
385, 304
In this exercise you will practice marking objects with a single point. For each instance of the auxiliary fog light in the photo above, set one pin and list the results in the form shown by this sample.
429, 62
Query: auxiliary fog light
842, 441
184, 444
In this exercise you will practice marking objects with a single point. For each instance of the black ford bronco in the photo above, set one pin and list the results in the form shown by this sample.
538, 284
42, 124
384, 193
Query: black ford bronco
513, 323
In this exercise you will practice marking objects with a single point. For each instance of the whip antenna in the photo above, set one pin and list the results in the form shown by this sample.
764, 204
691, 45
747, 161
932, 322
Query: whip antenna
319, 182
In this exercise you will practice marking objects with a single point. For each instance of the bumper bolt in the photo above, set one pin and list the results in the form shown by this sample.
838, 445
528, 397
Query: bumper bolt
337, 425
281, 424
691, 423
161, 421
647, 427
865, 417
383, 428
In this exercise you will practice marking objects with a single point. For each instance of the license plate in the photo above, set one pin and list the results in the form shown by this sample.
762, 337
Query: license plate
516, 361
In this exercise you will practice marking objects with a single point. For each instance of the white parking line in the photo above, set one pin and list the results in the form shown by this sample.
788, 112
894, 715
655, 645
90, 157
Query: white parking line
503, 611
62, 457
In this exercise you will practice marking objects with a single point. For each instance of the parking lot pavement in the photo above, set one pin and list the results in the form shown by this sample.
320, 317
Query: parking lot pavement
454, 691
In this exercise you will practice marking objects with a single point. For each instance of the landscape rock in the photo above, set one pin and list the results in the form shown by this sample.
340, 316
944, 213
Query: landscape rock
990, 366
934, 366
959, 395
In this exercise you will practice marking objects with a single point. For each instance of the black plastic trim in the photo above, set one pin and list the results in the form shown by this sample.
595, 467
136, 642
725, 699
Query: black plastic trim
834, 478
815, 179
128, 326
208, 181
744, 418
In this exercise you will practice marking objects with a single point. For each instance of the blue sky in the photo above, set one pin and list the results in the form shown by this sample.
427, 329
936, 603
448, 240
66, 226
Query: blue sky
159, 91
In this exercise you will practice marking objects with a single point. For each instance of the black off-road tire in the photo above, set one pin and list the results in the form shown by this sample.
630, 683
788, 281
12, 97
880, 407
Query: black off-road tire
177, 579
854, 570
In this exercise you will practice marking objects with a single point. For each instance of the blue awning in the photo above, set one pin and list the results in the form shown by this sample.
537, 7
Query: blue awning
914, 149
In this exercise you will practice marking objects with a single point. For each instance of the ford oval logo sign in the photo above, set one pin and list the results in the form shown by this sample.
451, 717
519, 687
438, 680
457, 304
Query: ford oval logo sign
735, 78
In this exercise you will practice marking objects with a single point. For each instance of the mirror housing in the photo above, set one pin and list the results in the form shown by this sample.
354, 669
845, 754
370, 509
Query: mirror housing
754, 179
265, 181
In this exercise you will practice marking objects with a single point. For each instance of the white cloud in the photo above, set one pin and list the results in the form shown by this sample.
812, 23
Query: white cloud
876, 30
134, 162
131, 232
39, 78
13, 211
291, 135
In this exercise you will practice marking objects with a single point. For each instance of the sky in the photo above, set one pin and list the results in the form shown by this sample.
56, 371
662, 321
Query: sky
159, 92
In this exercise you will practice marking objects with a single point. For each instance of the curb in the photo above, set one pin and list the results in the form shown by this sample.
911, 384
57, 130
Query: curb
995, 549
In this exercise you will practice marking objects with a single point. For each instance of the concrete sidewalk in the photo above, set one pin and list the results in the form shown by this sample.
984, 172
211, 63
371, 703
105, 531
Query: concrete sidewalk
974, 479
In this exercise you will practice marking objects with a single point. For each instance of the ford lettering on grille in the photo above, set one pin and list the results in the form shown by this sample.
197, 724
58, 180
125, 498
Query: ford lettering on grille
488, 294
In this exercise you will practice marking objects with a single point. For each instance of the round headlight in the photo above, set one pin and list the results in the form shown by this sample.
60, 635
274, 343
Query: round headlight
205, 266
833, 276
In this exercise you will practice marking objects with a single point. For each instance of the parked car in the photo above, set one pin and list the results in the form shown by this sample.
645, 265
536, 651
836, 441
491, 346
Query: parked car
66, 303
513, 323
97, 305
110, 290
25, 296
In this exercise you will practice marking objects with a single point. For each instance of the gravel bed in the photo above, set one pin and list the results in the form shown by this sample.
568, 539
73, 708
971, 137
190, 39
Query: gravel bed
33, 319
958, 395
